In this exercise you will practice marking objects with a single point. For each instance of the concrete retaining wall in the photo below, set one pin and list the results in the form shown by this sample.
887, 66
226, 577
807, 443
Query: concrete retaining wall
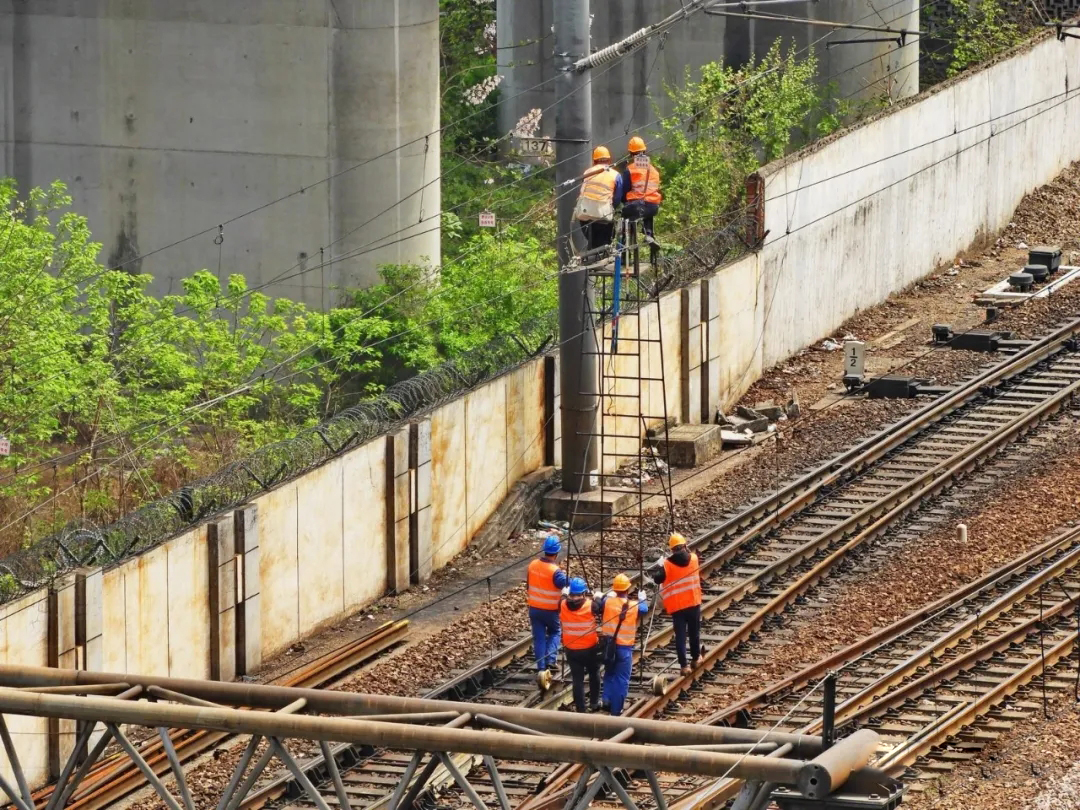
849, 222
869, 212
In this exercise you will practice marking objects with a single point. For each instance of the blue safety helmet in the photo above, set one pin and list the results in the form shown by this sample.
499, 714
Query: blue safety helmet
552, 544
578, 586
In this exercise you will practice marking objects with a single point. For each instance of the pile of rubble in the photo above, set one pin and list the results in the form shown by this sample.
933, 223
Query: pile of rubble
747, 425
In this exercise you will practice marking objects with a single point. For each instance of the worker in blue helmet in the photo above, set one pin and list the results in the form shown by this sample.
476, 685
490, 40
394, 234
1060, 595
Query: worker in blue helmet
546, 585
581, 639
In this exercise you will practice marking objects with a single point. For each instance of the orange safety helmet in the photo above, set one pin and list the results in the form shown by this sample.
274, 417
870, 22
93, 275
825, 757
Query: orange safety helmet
676, 540
601, 153
621, 583
637, 144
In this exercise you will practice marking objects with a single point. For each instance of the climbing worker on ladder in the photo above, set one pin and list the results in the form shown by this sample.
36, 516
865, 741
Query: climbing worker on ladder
641, 193
601, 191
680, 591
619, 629
582, 643
545, 581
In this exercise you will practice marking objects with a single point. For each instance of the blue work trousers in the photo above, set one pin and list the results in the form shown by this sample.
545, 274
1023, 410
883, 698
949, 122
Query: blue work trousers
617, 679
547, 632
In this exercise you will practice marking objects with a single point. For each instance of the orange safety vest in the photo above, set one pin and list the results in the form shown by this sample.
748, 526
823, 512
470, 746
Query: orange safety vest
613, 606
596, 201
578, 626
542, 591
644, 184
681, 587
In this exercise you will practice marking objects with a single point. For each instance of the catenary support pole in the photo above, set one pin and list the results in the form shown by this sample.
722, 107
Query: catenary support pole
577, 342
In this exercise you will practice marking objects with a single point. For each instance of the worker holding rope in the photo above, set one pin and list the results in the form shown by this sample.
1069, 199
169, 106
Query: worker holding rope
680, 591
545, 582
619, 629
601, 192
582, 643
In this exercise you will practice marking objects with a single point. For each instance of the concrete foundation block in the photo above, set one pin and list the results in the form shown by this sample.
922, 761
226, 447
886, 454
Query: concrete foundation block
588, 510
690, 445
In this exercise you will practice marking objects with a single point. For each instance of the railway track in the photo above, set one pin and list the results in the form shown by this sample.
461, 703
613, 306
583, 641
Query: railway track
942, 683
761, 562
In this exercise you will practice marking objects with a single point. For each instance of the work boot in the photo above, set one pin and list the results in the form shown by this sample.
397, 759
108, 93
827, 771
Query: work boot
698, 661
594, 708
686, 670
543, 679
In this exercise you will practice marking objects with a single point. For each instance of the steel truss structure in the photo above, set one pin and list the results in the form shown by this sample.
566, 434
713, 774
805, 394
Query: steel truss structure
103, 704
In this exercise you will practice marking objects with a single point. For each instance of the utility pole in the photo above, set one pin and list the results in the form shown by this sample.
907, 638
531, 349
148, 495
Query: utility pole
578, 348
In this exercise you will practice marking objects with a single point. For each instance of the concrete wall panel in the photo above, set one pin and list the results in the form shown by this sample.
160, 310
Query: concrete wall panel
146, 586
524, 420
278, 566
867, 213
24, 639
320, 555
189, 605
364, 515
448, 507
114, 620
485, 451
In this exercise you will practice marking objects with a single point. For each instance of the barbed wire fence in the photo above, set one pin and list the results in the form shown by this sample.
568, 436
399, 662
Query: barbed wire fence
82, 543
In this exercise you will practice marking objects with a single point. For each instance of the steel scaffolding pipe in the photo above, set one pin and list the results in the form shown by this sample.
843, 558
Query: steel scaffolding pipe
321, 701
438, 739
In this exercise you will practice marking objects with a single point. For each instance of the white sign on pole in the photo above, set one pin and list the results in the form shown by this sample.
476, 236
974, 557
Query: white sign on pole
487, 219
5, 446
854, 358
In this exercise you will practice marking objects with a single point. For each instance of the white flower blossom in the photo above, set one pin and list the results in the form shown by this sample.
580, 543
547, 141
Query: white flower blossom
529, 124
476, 94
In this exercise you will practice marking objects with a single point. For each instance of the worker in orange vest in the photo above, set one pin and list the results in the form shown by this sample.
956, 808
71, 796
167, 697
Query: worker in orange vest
601, 192
582, 643
545, 582
680, 591
641, 192
619, 628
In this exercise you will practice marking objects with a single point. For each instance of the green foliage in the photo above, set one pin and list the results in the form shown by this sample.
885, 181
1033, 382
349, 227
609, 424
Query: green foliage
727, 123
497, 282
93, 366
981, 30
